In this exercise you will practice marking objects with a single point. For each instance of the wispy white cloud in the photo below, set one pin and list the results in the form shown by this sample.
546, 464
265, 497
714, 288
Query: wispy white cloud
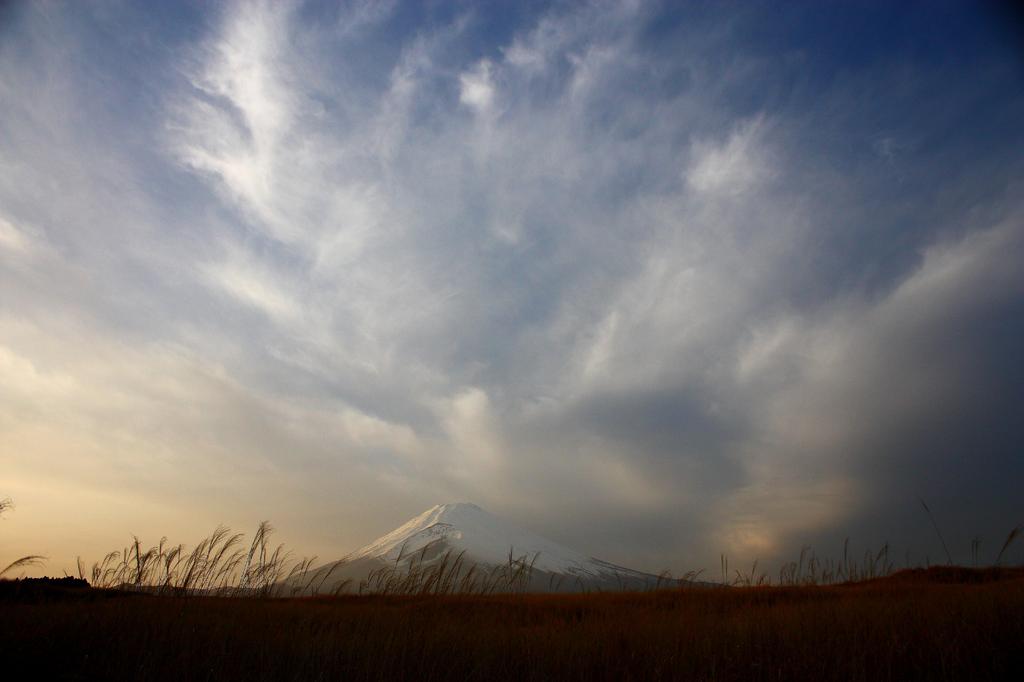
476, 89
731, 168
13, 239
347, 267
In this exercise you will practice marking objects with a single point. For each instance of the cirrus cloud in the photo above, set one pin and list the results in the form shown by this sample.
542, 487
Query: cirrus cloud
646, 279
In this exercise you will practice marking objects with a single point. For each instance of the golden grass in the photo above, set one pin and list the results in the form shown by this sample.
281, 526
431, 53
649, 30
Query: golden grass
217, 565
180, 613
943, 623
220, 565
447, 574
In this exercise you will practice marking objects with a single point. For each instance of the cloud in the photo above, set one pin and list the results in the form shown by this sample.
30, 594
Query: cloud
236, 123
642, 277
13, 239
733, 167
476, 90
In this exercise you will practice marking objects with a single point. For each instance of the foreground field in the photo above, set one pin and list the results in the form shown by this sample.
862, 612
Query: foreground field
937, 624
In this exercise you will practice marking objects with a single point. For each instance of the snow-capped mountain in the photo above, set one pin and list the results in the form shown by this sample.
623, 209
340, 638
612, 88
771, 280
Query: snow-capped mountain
481, 540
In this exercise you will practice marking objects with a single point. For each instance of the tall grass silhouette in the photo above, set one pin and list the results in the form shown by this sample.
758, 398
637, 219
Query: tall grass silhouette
449, 574
435, 614
222, 564
225, 564
219, 564
25, 561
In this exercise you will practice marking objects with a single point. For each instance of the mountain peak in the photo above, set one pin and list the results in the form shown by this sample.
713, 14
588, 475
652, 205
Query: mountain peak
457, 505
455, 508
466, 526
479, 538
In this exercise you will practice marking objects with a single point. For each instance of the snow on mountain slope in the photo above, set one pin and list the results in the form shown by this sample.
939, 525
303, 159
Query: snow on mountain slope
483, 540
484, 537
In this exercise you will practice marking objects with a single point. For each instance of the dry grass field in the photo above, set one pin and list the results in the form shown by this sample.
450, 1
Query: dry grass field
942, 623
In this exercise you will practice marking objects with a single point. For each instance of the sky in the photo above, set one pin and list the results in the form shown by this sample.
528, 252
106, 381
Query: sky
660, 281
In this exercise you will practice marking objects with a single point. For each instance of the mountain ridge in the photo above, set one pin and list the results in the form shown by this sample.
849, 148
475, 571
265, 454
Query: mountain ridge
480, 541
